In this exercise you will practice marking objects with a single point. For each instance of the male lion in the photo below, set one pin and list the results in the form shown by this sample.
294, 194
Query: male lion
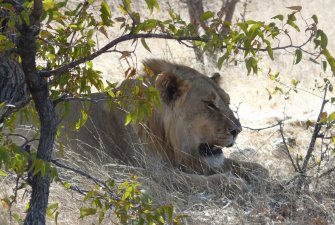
187, 132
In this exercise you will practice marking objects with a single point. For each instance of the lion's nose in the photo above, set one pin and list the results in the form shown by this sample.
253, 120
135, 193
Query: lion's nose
235, 132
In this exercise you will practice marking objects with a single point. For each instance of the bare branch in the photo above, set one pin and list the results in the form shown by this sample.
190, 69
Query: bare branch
286, 147
75, 188
316, 131
327, 172
264, 128
127, 37
67, 98
82, 173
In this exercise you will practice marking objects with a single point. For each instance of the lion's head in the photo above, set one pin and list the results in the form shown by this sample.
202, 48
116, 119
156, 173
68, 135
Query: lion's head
195, 117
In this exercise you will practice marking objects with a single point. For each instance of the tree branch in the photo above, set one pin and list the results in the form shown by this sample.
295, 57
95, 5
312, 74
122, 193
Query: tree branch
327, 172
63, 69
57, 72
94, 179
17, 5
286, 148
264, 128
317, 128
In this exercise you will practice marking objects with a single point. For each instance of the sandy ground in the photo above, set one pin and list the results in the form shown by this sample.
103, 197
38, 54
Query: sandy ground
255, 110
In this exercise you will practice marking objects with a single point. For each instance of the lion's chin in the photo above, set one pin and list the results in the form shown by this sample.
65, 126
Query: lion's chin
211, 154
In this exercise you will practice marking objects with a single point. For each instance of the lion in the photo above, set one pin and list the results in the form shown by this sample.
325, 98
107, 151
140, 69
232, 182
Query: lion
188, 132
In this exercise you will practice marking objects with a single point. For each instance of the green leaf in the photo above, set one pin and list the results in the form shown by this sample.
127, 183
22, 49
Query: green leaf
331, 117
51, 209
330, 87
220, 62
105, 13
56, 217
3, 174
324, 65
124, 185
128, 119
251, 63
66, 185
270, 52
25, 17
293, 24
127, 193
324, 40
295, 82
144, 43
298, 56
330, 59
152, 4
48, 4
127, 5
207, 15
39, 166
279, 17
248, 65
290, 21
315, 19
87, 212
82, 120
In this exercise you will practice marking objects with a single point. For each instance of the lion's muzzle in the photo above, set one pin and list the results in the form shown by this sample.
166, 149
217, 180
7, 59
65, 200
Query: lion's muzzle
207, 150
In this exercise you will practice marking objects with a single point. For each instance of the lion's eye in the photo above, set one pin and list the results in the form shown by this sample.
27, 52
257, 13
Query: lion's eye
211, 105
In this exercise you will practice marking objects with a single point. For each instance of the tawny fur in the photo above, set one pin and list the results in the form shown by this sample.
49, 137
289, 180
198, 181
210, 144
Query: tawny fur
194, 111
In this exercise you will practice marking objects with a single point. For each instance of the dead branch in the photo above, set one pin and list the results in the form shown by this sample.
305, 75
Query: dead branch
327, 172
88, 176
317, 128
281, 130
264, 128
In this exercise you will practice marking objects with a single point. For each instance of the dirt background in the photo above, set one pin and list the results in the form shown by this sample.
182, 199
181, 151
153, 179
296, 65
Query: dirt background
255, 109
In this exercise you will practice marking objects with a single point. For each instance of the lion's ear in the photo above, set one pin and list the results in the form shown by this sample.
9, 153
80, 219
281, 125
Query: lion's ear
216, 77
170, 86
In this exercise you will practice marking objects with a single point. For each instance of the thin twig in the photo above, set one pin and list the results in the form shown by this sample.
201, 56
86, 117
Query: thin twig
94, 179
264, 128
132, 17
74, 188
14, 197
286, 147
327, 172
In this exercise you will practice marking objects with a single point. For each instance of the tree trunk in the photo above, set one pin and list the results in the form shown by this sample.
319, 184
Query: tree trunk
195, 10
13, 87
228, 9
39, 90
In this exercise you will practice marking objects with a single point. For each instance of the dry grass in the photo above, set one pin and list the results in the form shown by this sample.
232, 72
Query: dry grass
280, 205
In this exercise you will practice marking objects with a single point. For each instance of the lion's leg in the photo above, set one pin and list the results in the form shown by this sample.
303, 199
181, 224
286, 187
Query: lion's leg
253, 173
218, 183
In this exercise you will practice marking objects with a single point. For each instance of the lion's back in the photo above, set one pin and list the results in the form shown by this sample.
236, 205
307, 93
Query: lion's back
103, 134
